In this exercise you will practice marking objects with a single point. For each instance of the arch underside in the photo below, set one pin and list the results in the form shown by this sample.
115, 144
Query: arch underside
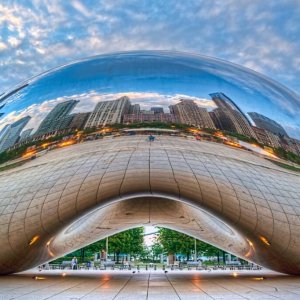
73, 196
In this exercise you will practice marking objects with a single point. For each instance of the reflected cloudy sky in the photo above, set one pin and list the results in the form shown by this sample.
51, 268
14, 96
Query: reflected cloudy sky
157, 78
38, 35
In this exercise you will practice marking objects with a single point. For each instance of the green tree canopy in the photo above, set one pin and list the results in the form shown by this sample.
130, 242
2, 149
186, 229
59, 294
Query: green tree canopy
174, 242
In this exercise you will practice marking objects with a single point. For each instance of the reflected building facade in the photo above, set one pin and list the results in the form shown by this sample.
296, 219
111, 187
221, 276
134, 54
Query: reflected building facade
78, 120
229, 116
149, 117
188, 112
11, 133
108, 112
26, 134
58, 118
268, 124
135, 109
157, 110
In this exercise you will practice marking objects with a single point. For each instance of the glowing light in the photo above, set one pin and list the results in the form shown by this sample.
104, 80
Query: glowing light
64, 274
251, 249
232, 144
33, 240
45, 145
235, 274
258, 278
29, 153
66, 143
264, 240
39, 278
250, 243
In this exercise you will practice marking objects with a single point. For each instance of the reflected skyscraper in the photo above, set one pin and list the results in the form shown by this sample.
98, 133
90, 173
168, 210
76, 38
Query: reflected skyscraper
78, 120
135, 109
58, 118
11, 133
266, 123
157, 110
25, 134
230, 117
108, 112
188, 112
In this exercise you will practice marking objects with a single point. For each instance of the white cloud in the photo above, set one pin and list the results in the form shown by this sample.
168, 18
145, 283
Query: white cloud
81, 8
14, 42
2, 46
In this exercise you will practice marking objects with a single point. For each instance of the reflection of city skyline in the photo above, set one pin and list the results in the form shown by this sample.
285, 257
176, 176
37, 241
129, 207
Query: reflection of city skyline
157, 74
223, 115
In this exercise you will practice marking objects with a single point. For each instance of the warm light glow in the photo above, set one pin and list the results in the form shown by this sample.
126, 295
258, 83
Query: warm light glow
270, 154
29, 153
66, 143
45, 145
64, 274
234, 274
232, 144
264, 240
251, 249
258, 278
33, 240
219, 134
39, 278
194, 130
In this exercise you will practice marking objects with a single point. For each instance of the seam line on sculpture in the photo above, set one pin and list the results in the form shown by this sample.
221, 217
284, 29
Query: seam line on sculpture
174, 177
82, 182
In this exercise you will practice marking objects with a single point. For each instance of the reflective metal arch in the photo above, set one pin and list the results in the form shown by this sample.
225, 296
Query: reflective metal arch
72, 196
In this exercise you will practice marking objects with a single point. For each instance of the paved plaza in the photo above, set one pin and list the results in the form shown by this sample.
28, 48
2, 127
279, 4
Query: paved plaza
149, 285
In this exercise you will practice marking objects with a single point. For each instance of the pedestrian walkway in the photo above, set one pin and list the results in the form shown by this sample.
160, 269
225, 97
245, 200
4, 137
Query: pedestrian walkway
92, 285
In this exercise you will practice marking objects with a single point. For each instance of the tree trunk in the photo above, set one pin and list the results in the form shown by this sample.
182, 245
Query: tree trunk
82, 254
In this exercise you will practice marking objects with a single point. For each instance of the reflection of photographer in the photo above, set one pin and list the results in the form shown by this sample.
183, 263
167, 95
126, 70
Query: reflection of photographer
151, 138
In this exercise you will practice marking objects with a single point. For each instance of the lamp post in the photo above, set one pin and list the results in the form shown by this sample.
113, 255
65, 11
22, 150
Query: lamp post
106, 249
195, 255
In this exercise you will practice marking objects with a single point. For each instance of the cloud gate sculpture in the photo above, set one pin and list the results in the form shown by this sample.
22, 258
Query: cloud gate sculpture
171, 139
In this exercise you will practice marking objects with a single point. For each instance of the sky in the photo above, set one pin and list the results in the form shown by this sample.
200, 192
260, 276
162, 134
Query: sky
38, 35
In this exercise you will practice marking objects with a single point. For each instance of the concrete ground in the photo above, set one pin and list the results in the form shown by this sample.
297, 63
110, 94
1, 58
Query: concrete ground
85, 285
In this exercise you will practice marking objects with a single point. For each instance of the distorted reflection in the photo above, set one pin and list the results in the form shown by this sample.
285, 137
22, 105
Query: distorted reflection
193, 95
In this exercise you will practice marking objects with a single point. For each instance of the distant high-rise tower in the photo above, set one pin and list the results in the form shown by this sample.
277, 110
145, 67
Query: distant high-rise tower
10, 134
188, 112
157, 110
264, 122
108, 112
78, 120
57, 118
25, 134
134, 109
230, 117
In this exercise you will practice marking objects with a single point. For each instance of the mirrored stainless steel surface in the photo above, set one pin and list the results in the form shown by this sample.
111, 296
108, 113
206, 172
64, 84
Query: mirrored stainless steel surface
150, 137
